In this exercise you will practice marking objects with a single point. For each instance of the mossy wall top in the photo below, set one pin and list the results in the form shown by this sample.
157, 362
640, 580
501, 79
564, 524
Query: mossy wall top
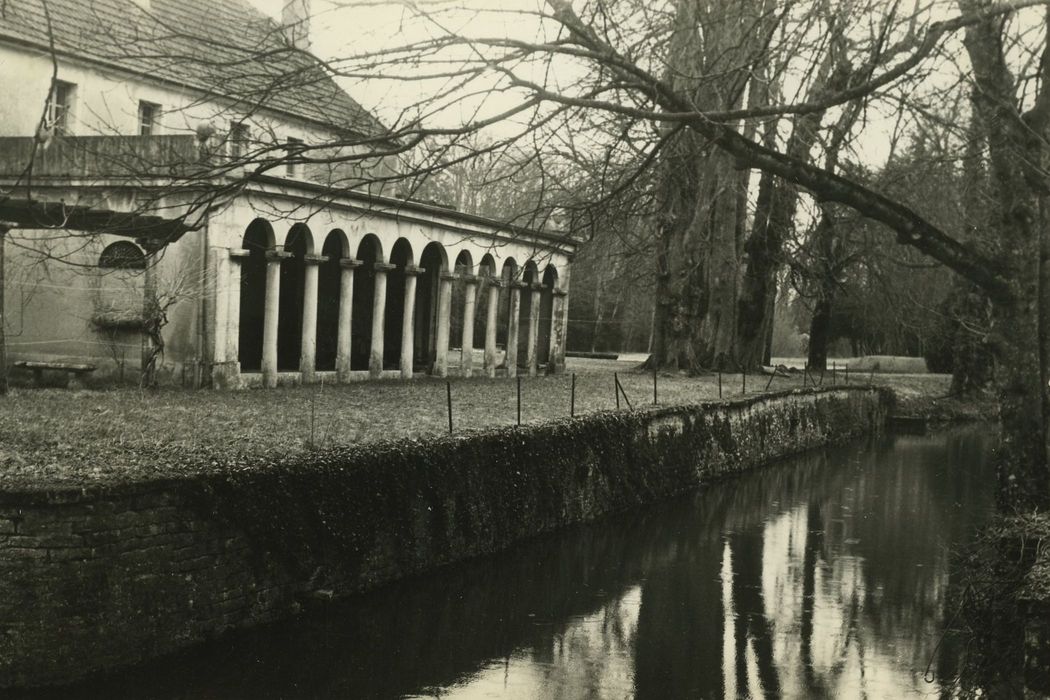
100, 577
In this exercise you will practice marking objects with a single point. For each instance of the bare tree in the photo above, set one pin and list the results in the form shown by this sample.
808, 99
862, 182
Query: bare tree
677, 108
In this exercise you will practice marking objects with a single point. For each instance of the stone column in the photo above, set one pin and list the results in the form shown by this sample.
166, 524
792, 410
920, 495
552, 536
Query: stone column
238, 256
491, 314
375, 358
531, 348
562, 323
557, 350
408, 320
444, 312
466, 357
308, 343
222, 367
270, 315
511, 359
346, 310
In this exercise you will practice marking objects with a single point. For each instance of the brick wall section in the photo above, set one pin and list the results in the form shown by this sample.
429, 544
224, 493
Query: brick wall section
110, 575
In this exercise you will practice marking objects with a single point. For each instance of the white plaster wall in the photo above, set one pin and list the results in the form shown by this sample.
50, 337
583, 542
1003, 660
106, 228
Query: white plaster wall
323, 217
106, 102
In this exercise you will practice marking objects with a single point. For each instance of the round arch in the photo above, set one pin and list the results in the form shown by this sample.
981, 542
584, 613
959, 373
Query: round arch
546, 329
299, 235
434, 260
463, 267
258, 239
486, 271
329, 292
122, 255
401, 257
369, 252
300, 243
508, 274
529, 275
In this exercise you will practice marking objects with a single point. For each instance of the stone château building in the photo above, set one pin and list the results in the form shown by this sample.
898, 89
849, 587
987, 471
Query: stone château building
156, 168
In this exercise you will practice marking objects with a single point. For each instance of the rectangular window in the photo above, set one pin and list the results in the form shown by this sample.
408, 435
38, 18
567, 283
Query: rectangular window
60, 106
148, 118
239, 136
292, 146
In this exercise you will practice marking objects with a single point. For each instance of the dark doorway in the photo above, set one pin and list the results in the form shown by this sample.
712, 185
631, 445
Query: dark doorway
401, 256
368, 252
507, 276
258, 238
329, 288
486, 270
530, 276
464, 266
550, 281
290, 318
425, 341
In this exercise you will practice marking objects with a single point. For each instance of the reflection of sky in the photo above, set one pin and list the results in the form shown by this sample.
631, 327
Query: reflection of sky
848, 658
592, 657
870, 546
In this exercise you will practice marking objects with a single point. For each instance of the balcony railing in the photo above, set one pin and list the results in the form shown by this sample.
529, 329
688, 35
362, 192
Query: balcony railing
176, 156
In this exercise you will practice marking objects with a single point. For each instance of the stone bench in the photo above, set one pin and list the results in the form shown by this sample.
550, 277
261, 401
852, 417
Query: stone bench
72, 371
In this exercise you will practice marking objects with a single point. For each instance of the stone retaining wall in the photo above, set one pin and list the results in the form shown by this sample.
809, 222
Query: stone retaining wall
104, 576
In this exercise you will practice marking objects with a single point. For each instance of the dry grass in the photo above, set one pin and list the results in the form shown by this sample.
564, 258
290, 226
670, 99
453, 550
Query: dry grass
53, 430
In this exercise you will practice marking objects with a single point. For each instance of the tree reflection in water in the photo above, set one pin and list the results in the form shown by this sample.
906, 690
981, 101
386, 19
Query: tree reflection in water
823, 576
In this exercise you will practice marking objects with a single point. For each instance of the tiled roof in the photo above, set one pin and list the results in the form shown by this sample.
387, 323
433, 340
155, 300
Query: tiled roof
224, 47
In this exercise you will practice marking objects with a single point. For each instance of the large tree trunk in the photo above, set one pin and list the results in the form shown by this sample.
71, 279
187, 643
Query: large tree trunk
820, 334
1021, 464
702, 192
1018, 187
697, 263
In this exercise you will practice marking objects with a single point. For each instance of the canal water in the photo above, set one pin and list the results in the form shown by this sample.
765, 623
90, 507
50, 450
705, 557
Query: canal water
822, 576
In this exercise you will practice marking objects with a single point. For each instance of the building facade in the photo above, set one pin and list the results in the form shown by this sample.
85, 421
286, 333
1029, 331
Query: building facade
161, 193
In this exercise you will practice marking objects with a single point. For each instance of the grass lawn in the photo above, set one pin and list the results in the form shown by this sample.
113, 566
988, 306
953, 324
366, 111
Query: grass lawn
53, 435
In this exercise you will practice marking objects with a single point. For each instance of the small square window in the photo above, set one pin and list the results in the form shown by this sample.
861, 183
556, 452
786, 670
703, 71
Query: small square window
59, 106
148, 113
292, 148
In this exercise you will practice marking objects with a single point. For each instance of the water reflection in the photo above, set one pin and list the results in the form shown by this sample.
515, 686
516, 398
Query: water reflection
821, 577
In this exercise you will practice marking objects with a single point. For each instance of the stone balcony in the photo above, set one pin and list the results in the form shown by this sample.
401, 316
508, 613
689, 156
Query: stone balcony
95, 157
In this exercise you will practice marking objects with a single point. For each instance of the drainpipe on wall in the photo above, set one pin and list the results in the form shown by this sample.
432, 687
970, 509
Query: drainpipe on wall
202, 311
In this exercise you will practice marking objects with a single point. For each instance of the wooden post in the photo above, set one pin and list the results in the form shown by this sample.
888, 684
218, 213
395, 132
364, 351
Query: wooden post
743, 381
654, 385
572, 400
616, 390
448, 393
3, 335
519, 401
770, 382
719, 383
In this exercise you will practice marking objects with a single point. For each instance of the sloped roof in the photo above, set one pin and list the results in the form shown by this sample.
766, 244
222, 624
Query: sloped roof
224, 47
